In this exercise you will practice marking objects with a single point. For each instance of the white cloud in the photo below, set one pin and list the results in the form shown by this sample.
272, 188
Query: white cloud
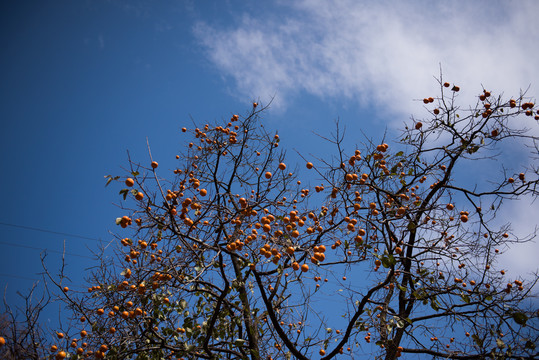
385, 54
521, 259
377, 52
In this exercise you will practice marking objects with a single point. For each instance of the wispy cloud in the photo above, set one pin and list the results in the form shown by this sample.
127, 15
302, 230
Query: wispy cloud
376, 52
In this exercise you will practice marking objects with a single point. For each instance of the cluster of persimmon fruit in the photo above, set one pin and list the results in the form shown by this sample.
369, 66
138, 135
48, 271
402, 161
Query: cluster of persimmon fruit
484, 97
79, 349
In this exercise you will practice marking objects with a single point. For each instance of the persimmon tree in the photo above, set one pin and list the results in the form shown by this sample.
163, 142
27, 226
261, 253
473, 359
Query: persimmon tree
21, 326
380, 252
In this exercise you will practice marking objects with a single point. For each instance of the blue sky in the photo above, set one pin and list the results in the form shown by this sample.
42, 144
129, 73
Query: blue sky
83, 81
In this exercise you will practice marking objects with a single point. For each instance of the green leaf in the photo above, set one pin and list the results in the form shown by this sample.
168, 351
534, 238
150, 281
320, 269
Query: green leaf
239, 342
400, 153
135, 173
124, 192
465, 298
520, 318
402, 288
500, 343
110, 178
477, 340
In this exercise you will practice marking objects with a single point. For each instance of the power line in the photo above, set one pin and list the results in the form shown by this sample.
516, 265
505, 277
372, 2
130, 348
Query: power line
41, 249
52, 251
49, 231
18, 277
71, 286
